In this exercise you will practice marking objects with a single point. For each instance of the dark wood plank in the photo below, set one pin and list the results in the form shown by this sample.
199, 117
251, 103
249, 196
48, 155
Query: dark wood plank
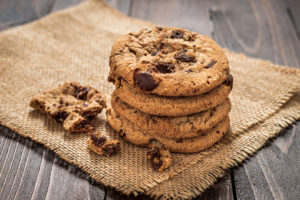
193, 15
293, 10
263, 29
15, 12
122, 5
61, 4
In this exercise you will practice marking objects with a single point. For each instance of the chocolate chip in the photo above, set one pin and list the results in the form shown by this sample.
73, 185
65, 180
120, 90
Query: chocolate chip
98, 141
154, 156
60, 116
145, 81
211, 113
183, 57
145, 62
110, 79
165, 68
159, 28
177, 34
229, 80
212, 63
153, 53
132, 51
122, 134
111, 148
81, 92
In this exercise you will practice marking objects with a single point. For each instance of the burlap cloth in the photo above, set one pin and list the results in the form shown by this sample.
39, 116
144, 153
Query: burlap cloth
74, 45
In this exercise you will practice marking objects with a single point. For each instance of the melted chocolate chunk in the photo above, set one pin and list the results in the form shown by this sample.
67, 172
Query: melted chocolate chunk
165, 68
132, 51
98, 141
122, 134
212, 63
154, 156
159, 28
178, 34
183, 57
110, 79
229, 80
60, 116
145, 81
81, 92
111, 148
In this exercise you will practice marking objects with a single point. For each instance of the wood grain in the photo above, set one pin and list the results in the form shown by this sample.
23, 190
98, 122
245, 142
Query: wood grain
263, 29
15, 12
293, 10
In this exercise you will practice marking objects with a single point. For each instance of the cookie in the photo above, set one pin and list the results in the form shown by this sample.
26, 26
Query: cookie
100, 145
160, 158
172, 127
75, 123
168, 61
133, 134
70, 101
172, 106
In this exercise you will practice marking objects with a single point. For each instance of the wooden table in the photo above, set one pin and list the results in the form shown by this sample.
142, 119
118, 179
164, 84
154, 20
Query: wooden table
268, 29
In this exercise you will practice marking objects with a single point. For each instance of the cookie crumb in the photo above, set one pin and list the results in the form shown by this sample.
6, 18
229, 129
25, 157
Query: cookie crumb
100, 145
71, 104
160, 158
75, 123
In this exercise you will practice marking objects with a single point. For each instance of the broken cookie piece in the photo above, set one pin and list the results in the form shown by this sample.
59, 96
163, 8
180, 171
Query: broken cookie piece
72, 104
75, 123
160, 158
99, 144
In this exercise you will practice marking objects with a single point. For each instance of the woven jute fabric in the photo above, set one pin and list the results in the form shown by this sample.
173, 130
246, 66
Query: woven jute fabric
75, 44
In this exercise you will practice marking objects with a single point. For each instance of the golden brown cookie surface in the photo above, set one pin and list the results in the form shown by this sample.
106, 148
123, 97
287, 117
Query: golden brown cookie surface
173, 127
133, 134
168, 61
172, 106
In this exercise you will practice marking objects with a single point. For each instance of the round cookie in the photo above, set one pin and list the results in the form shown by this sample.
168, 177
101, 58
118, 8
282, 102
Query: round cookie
129, 132
172, 106
168, 61
173, 127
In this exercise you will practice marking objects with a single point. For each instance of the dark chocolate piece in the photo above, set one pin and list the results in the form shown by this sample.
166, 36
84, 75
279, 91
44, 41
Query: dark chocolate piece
145, 81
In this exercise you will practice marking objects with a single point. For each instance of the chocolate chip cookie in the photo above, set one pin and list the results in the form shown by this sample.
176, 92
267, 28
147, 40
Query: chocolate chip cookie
101, 145
168, 61
133, 134
72, 104
172, 106
159, 157
172, 127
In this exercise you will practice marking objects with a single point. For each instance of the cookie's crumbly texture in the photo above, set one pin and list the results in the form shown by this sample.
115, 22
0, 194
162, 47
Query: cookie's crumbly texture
100, 145
172, 106
168, 61
71, 104
133, 134
173, 127
75, 123
160, 158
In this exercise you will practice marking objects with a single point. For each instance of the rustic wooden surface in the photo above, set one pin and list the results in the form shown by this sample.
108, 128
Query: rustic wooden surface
267, 29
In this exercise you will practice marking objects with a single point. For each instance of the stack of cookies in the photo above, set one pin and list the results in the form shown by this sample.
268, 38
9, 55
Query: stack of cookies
171, 86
